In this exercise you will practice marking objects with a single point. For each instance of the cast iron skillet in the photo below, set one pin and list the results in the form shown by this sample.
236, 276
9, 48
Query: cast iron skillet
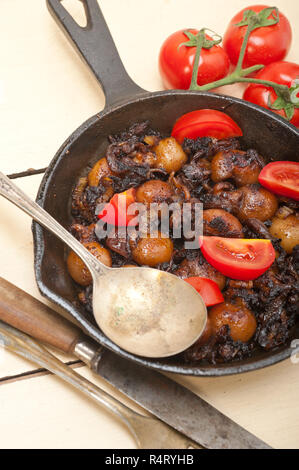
127, 103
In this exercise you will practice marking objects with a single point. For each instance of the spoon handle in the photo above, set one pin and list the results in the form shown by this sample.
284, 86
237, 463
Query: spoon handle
24, 346
15, 195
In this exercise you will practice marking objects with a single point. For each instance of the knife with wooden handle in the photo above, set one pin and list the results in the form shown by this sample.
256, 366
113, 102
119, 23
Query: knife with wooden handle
172, 403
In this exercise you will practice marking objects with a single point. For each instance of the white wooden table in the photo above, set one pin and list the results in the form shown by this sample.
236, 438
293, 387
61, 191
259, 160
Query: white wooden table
45, 93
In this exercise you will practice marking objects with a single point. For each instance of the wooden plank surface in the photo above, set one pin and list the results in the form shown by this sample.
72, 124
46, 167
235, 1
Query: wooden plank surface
45, 93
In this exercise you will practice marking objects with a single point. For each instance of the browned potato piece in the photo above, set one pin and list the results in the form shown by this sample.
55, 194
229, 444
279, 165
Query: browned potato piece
234, 164
256, 202
287, 230
220, 223
239, 318
99, 170
78, 270
152, 251
154, 191
170, 155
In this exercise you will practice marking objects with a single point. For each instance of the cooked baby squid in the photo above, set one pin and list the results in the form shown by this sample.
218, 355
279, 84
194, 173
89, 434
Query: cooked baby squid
242, 167
220, 223
249, 201
200, 267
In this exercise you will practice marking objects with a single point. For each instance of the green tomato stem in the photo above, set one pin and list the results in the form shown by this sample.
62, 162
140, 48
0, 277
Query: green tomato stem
263, 82
196, 60
249, 70
238, 79
240, 74
243, 48
229, 80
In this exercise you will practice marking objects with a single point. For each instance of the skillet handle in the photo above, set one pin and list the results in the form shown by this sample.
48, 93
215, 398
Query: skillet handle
96, 46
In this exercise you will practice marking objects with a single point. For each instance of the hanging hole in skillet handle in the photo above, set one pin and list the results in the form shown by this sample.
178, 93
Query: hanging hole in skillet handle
96, 47
76, 9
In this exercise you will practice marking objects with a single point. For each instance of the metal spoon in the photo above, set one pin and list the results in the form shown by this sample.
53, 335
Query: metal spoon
143, 310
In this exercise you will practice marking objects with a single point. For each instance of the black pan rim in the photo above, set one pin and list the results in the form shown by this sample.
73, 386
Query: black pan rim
38, 239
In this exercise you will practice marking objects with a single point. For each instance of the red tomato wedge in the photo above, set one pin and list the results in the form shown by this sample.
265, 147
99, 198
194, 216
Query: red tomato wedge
115, 212
208, 289
281, 178
236, 258
205, 123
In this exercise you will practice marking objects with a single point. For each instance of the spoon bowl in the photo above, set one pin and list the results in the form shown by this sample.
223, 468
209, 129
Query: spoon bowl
143, 310
148, 312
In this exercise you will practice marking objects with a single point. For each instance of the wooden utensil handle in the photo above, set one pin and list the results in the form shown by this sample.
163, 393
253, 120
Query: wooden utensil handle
31, 316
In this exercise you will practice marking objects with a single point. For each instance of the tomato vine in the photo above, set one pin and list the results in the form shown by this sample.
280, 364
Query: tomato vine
287, 97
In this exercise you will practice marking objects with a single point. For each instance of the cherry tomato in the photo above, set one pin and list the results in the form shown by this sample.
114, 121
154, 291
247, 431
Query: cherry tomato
115, 212
207, 288
176, 63
205, 123
243, 259
281, 178
281, 72
265, 45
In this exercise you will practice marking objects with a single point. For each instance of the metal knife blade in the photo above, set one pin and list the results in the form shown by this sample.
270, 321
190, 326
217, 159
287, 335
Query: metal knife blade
175, 405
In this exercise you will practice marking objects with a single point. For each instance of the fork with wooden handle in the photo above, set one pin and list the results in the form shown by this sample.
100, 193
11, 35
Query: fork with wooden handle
149, 432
